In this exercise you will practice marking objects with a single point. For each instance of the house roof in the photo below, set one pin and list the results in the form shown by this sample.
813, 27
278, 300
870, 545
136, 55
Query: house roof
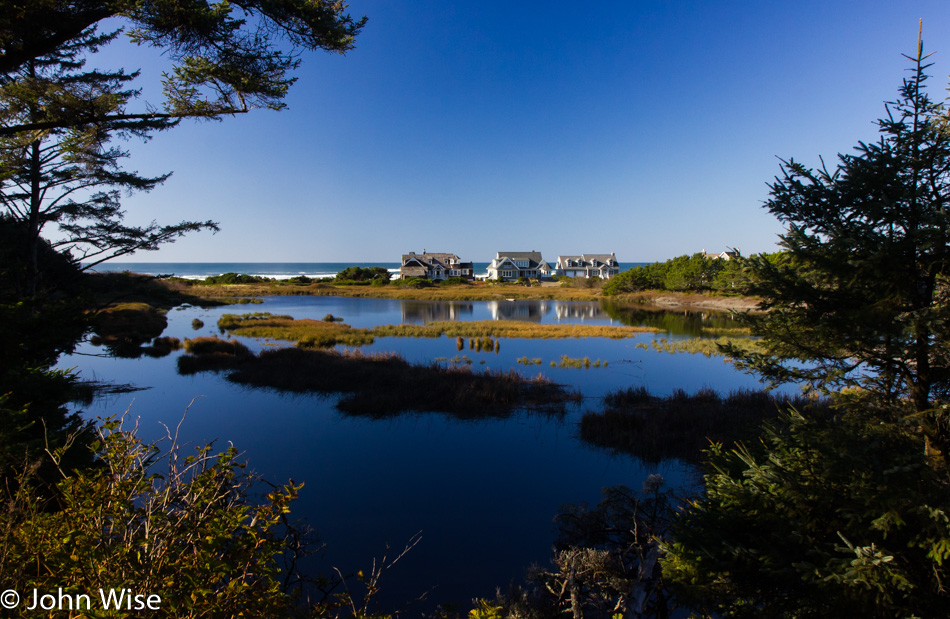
599, 257
521, 255
433, 258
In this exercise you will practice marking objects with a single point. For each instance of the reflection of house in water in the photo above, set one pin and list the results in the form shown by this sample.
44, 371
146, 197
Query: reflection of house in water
430, 311
530, 311
580, 311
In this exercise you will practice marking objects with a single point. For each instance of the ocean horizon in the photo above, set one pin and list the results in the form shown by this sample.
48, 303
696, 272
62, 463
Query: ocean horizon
274, 270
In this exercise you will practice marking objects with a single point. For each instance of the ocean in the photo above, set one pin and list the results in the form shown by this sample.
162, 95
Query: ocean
274, 270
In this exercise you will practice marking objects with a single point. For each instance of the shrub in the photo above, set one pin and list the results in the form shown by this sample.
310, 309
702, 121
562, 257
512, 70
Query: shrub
455, 281
190, 534
360, 274
235, 278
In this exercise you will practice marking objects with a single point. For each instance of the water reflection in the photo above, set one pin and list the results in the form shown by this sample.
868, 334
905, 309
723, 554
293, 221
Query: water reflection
420, 312
684, 322
376, 481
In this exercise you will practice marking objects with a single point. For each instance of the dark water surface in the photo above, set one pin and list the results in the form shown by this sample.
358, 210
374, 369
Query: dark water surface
483, 493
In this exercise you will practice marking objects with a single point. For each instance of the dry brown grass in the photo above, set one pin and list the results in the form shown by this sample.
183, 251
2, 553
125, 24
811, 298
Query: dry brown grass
507, 328
307, 333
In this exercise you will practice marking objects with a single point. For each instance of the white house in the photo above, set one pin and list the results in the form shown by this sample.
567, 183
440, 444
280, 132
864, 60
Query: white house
603, 266
510, 265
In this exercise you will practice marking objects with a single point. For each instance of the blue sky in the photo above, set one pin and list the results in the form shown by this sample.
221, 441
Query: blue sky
646, 128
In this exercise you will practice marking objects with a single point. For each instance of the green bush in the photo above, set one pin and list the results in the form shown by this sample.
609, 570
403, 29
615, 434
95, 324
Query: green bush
455, 281
235, 278
190, 535
361, 274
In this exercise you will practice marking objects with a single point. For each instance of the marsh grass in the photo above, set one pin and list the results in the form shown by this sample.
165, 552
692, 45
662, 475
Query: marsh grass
212, 354
579, 362
707, 347
680, 426
129, 322
123, 328
484, 330
307, 333
384, 385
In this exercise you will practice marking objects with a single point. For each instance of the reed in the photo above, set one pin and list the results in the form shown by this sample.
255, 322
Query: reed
581, 362
680, 425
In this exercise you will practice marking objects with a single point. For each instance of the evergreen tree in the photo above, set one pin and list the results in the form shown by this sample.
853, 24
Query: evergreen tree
843, 515
861, 297
228, 57
70, 176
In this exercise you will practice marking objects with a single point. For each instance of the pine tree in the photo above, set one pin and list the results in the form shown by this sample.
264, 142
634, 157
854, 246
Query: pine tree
71, 176
862, 298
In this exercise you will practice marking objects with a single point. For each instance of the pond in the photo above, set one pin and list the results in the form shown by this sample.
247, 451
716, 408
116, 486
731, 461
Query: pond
483, 493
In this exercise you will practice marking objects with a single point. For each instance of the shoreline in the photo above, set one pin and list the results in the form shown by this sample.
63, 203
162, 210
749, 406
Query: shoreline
656, 300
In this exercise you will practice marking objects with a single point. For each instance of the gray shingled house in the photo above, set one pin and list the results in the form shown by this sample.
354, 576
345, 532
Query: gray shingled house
510, 265
603, 266
435, 266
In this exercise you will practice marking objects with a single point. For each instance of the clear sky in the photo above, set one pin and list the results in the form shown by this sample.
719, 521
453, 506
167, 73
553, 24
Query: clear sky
644, 127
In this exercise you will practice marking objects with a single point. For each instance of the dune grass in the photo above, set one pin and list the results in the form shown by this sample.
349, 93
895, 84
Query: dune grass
680, 426
307, 333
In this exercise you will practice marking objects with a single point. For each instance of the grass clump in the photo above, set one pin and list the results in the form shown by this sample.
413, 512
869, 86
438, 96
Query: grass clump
527, 361
680, 425
307, 333
125, 327
197, 324
707, 347
212, 354
579, 362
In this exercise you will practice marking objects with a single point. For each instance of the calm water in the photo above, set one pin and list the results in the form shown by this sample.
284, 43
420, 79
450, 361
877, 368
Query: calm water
483, 493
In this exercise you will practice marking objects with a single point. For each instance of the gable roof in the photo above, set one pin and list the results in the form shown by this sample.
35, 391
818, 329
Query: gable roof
521, 255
